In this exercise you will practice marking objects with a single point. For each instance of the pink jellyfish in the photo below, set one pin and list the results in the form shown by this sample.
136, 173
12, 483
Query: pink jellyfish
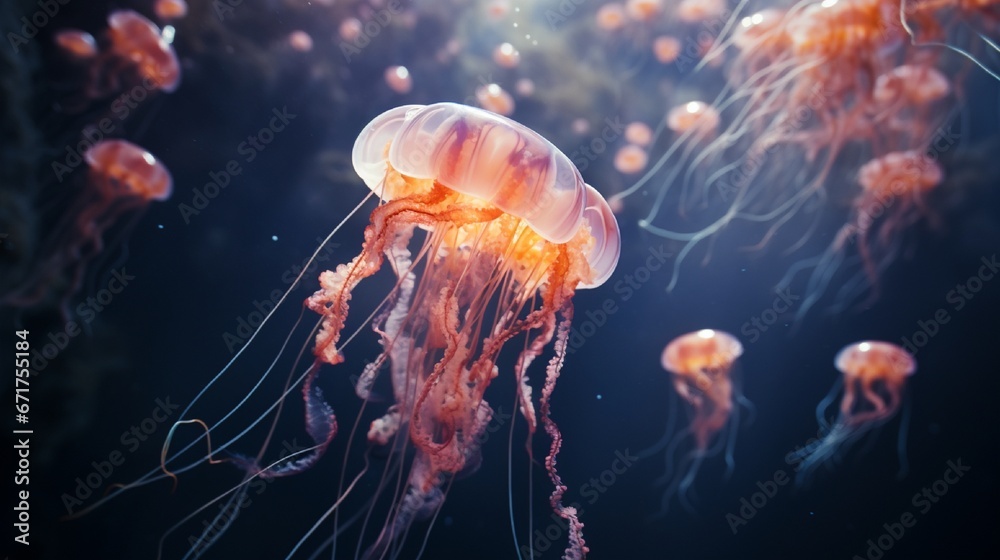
873, 377
701, 367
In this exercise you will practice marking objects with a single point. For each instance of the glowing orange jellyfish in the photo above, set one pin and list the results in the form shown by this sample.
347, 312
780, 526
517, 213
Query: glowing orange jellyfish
874, 376
123, 178
137, 56
489, 231
701, 364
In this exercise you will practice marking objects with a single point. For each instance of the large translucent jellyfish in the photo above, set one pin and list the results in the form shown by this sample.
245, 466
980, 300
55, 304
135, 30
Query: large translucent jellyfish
701, 366
873, 378
489, 230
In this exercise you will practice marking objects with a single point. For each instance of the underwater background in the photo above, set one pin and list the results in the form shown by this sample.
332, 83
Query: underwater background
198, 270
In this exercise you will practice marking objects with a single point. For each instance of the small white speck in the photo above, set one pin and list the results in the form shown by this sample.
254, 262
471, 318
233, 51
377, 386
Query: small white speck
599, 396
274, 238
159, 226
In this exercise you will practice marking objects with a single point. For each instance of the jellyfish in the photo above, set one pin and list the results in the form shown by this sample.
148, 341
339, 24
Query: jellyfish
398, 79
893, 197
701, 367
494, 98
78, 44
873, 378
300, 41
506, 55
136, 55
122, 179
488, 230
806, 83
170, 10
630, 159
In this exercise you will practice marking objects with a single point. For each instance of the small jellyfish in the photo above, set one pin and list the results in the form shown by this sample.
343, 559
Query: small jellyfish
611, 17
170, 10
916, 84
666, 49
643, 10
300, 40
638, 133
350, 29
506, 55
701, 365
119, 168
694, 11
696, 116
894, 196
525, 87
493, 98
630, 159
78, 44
122, 179
497, 9
137, 40
873, 378
398, 79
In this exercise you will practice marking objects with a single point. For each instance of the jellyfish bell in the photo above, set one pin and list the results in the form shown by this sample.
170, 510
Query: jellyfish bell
76, 43
120, 168
138, 41
170, 10
630, 159
398, 79
873, 379
506, 55
701, 365
494, 98
489, 231
696, 116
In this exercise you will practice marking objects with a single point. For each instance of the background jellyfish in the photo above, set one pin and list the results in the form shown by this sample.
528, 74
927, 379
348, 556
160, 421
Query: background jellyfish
874, 375
474, 193
701, 366
122, 179
811, 89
